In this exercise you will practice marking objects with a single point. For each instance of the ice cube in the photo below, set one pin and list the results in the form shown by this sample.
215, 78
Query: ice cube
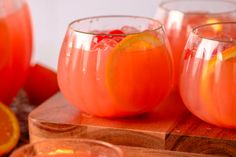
129, 29
105, 45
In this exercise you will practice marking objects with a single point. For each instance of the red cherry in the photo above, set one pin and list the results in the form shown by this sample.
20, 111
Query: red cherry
99, 38
119, 35
115, 34
188, 53
215, 52
116, 31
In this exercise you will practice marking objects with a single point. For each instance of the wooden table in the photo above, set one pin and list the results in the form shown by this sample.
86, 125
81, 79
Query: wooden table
170, 130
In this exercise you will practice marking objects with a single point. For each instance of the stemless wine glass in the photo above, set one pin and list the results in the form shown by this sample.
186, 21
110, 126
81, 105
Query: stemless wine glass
15, 47
208, 75
179, 17
68, 148
115, 66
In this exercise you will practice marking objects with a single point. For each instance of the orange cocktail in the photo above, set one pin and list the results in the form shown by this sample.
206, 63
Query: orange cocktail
116, 66
15, 47
65, 155
179, 17
68, 147
208, 74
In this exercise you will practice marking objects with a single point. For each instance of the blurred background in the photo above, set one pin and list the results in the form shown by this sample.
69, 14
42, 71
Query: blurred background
51, 17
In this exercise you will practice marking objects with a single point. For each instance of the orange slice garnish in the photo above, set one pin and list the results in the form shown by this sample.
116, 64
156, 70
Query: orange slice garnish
134, 71
62, 151
137, 42
217, 27
207, 79
224, 56
10, 130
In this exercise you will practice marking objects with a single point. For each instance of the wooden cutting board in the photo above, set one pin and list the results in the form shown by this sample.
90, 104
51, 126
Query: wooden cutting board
169, 127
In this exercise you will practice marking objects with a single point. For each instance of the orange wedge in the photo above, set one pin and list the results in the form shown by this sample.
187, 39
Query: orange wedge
137, 42
208, 77
10, 130
134, 75
224, 56
216, 27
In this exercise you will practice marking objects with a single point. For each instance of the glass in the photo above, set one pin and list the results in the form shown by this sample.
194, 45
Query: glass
68, 148
15, 47
179, 17
208, 78
115, 66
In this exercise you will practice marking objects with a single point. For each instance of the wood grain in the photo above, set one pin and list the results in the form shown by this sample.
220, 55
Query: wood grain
147, 130
147, 152
168, 127
193, 135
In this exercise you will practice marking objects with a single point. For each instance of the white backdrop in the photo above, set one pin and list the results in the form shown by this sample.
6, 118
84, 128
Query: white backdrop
51, 17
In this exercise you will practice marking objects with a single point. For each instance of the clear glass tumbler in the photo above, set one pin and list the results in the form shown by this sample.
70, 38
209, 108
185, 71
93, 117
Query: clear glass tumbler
115, 66
68, 148
180, 16
208, 73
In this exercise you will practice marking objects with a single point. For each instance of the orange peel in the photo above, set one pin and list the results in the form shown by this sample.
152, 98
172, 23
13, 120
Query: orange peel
10, 130
125, 63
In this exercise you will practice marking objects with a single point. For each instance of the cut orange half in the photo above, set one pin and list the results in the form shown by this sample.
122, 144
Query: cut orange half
10, 130
216, 27
208, 74
224, 56
134, 70
137, 42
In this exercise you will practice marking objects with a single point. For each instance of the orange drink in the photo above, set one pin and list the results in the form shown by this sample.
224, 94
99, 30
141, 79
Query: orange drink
179, 17
15, 47
208, 73
68, 148
115, 66
65, 155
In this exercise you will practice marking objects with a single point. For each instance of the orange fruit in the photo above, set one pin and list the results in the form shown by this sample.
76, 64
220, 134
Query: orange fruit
135, 74
227, 54
62, 151
216, 27
10, 130
208, 75
136, 42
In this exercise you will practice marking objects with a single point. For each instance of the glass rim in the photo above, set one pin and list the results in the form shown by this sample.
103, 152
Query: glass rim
194, 31
159, 24
162, 4
83, 140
